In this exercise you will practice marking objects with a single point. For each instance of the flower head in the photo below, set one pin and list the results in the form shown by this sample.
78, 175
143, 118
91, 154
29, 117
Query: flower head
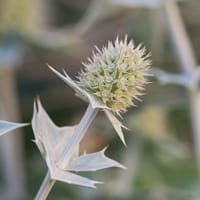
116, 75
111, 79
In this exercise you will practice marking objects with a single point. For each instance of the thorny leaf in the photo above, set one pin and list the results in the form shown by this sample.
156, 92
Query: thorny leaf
51, 141
6, 126
43, 128
117, 125
92, 162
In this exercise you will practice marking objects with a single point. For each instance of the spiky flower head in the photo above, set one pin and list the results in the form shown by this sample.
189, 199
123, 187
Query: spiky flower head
116, 75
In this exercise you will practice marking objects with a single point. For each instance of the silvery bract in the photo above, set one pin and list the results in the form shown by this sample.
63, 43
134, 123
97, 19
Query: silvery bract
51, 141
6, 126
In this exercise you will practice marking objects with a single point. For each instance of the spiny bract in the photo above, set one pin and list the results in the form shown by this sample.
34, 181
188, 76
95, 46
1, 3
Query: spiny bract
116, 75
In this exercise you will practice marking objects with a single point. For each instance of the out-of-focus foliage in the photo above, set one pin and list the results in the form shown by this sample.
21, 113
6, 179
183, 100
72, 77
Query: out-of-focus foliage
22, 16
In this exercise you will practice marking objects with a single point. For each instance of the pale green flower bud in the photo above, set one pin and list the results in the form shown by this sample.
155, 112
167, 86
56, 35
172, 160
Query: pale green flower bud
116, 75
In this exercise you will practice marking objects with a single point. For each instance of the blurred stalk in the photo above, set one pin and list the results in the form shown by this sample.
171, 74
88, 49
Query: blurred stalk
157, 35
187, 63
11, 147
131, 159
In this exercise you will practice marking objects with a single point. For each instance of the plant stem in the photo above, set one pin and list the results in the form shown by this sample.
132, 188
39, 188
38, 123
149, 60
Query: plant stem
77, 136
68, 151
188, 64
45, 188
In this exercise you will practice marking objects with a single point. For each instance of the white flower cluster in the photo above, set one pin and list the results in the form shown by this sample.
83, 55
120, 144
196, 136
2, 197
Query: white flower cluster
116, 75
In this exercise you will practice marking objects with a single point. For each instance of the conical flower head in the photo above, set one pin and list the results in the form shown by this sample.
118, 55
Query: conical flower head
116, 75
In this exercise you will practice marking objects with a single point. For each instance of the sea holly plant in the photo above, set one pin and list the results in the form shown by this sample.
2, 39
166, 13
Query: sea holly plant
51, 141
109, 82
6, 126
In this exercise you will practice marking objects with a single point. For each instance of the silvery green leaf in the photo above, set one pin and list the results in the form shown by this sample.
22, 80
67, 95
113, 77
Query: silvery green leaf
37, 130
71, 178
47, 133
6, 126
51, 140
117, 125
92, 162
62, 175
59, 174
72, 84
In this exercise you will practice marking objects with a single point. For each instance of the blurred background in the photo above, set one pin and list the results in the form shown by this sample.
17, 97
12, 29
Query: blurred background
162, 153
